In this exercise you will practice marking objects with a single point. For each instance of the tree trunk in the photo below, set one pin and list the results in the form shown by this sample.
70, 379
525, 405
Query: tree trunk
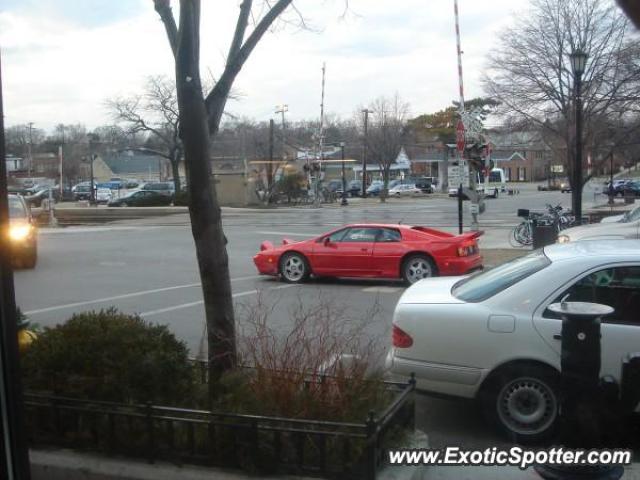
175, 169
385, 186
206, 218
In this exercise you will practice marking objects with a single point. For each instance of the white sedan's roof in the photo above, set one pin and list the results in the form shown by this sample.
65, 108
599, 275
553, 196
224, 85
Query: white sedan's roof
588, 248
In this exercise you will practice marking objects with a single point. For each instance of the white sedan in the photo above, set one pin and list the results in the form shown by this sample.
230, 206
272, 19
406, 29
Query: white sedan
103, 195
492, 337
630, 216
625, 226
404, 190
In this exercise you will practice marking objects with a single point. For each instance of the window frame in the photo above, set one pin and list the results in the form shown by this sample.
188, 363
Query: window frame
544, 305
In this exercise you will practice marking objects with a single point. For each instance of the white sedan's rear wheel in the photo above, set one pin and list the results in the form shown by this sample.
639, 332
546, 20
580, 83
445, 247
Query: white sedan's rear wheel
294, 268
523, 402
417, 267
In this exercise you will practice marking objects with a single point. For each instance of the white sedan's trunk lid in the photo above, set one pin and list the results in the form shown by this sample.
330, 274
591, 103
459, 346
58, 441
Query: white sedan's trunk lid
431, 290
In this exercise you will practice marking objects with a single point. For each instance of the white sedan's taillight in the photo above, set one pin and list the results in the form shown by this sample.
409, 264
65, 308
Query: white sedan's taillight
401, 339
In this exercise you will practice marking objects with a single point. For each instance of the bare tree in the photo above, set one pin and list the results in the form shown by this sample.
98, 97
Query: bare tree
386, 134
155, 114
200, 117
531, 75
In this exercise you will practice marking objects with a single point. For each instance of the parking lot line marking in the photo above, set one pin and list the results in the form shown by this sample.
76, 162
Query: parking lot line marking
126, 295
200, 302
289, 233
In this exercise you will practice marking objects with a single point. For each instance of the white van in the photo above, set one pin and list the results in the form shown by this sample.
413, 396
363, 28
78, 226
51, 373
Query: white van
494, 184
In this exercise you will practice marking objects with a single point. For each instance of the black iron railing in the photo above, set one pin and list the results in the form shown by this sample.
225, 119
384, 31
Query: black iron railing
258, 443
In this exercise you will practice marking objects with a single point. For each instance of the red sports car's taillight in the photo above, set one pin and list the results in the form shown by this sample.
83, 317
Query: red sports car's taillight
468, 249
401, 339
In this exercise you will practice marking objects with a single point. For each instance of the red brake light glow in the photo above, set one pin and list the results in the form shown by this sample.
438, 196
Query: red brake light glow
401, 339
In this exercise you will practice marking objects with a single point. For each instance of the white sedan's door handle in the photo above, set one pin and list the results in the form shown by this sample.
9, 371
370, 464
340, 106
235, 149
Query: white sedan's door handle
557, 336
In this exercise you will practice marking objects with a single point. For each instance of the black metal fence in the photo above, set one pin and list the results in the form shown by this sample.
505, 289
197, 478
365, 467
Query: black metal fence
265, 445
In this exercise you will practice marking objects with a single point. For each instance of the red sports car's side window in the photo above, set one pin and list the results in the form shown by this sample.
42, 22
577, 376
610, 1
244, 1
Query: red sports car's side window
388, 235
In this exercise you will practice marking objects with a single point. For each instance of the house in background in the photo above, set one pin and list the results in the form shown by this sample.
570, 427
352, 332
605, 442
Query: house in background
522, 154
134, 164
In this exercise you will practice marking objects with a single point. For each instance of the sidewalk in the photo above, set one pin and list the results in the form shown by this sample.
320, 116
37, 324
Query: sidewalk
69, 465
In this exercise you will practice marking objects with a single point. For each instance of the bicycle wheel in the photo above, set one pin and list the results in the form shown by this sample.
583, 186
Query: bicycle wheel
523, 233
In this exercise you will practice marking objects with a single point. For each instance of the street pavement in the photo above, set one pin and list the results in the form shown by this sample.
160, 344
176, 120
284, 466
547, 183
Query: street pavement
149, 267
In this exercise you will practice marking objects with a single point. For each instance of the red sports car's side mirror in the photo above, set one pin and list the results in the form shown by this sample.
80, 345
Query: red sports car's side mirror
326, 241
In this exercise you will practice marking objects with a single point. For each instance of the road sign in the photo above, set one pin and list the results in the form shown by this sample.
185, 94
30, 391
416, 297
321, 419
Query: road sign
460, 140
458, 175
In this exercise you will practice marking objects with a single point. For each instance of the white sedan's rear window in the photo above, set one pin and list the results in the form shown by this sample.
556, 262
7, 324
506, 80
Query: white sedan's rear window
486, 284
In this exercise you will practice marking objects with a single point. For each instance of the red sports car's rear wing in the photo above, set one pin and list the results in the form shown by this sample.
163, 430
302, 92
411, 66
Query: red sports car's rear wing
433, 231
266, 245
472, 235
441, 234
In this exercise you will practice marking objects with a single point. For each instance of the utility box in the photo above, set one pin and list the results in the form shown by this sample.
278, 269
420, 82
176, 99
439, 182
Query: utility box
543, 234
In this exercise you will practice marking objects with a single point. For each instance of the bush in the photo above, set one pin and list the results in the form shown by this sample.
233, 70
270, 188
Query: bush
111, 356
319, 369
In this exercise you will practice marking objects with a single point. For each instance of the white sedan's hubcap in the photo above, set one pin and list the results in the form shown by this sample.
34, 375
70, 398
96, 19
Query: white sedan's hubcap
527, 406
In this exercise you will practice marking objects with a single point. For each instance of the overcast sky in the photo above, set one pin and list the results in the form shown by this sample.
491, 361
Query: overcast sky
62, 58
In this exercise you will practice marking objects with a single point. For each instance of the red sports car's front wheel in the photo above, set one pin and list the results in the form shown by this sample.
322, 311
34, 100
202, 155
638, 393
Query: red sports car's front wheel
417, 267
294, 268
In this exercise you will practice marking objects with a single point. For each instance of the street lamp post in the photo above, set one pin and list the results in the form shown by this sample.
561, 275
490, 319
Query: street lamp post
610, 192
366, 112
344, 180
578, 64
92, 198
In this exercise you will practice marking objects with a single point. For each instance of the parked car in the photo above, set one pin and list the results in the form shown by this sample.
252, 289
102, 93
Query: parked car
628, 188
372, 250
142, 198
334, 186
565, 187
630, 216
103, 195
617, 183
354, 188
492, 337
404, 190
424, 184
627, 227
82, 192
163, 188
375, 188
22, 234
36, 199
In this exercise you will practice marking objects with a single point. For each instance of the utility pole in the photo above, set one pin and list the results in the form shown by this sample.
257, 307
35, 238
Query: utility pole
366, 112
344, 180
473, 191
316, 198
282, 109
270, 166
60, 157
30, 148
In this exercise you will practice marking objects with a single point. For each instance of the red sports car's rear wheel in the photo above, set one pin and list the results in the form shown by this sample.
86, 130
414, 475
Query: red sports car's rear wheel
417, 267
294, 268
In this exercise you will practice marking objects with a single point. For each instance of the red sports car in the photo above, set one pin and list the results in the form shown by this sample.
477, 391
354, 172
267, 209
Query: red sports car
373, 251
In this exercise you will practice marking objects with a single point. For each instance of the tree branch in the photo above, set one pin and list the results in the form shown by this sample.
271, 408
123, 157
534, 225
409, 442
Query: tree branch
163, 7
217, 98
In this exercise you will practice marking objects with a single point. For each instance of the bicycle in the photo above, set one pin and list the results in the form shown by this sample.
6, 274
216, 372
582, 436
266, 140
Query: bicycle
523, 233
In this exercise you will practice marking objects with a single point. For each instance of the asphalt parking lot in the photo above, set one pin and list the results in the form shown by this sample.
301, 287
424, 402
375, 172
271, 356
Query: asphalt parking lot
149, 267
